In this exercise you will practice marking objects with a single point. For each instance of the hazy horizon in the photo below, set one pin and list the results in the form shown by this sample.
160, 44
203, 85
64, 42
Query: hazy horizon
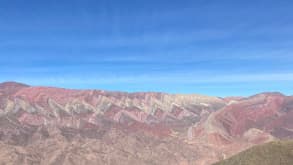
219, 48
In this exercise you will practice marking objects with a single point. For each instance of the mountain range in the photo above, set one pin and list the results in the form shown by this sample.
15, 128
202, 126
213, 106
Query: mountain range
48, 125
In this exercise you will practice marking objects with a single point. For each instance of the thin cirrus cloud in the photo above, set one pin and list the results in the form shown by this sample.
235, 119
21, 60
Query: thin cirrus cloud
189, 78
151, 39
148, 39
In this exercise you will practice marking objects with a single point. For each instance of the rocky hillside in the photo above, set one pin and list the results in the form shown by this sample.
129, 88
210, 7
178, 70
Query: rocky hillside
278, 152
46, 125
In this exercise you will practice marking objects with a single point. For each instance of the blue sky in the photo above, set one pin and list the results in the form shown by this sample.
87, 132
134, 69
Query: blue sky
193, 46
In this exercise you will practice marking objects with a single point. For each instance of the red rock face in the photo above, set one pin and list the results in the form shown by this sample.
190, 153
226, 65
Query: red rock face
206, 127
246, 122
264, 112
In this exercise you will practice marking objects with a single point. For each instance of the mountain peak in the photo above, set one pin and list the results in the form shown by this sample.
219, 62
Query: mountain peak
12, 84
11, 87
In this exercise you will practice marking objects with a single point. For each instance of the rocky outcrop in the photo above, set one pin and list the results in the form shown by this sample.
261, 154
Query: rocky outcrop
247, 122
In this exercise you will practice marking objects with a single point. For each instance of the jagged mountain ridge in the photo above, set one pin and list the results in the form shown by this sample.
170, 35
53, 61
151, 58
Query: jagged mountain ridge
205, 128
49, 103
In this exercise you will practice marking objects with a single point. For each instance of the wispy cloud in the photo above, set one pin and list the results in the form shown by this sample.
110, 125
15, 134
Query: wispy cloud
188, 78
150, 39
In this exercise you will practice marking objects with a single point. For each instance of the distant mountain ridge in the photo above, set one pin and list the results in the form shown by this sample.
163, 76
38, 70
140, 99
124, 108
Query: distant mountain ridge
170, 128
